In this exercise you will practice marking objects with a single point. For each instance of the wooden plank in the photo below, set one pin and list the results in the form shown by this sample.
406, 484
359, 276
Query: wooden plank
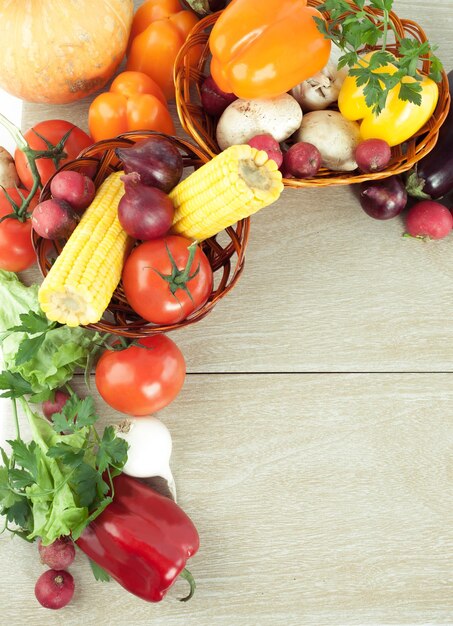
320, 500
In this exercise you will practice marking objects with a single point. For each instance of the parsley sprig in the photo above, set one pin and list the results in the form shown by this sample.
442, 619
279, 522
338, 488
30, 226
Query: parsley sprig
353, 28
62, 480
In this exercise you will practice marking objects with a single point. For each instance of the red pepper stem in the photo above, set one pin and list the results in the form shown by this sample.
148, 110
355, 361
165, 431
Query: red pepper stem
191, 580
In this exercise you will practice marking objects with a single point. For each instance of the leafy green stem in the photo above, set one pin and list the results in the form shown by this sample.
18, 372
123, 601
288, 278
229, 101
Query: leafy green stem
16, 417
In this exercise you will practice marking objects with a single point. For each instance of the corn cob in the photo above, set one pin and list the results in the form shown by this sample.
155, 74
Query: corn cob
233, 185
80, 284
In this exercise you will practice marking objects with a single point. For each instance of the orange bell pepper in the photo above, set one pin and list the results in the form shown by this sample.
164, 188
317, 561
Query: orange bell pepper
262, 49
159, 29
134, 102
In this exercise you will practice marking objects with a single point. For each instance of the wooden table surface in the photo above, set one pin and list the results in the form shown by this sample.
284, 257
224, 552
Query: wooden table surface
313, 436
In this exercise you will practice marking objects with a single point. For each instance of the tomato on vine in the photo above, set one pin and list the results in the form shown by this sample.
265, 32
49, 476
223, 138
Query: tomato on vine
167, 279
16, 249
65, 140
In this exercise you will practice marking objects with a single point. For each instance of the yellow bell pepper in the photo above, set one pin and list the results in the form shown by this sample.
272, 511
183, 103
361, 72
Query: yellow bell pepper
399, 119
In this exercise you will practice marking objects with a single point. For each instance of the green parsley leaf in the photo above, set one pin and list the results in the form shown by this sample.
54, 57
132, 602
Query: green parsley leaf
411, 92
112, 450
75, 414
19, 513
86, 483
25, 456
20, 478
99, 573
14, 385
32, 323
70, 456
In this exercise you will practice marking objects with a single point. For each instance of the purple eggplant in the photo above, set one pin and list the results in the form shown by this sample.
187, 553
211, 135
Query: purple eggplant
432, 177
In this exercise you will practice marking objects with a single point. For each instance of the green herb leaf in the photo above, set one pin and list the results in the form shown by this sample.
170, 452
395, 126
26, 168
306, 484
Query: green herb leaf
28, 347
99, 573
25, 456
70, 456
32, 323
87, 483
20, 478
75, 414
19, 513
112, 450
411, 92
14, 384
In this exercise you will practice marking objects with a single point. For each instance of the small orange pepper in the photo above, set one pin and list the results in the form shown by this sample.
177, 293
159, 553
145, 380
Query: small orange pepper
134, 102
159, 29
263, 49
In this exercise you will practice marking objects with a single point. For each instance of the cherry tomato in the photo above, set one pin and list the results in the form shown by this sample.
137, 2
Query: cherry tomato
160, 300
16, 249
53, 131
141, 380
111, 114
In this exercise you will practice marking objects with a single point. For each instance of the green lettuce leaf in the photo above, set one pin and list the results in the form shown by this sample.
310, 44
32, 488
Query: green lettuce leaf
61, 351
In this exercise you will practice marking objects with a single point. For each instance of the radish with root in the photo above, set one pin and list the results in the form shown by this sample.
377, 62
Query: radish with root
373, 155
59, 554
429, 220
302, 160
54, 219
54, 589
267, 143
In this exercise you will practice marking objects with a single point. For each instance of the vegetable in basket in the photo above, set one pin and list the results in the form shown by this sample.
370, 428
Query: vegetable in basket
263, 49
398, 119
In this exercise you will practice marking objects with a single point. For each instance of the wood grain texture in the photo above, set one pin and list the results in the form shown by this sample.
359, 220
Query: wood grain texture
325, 287
320, 500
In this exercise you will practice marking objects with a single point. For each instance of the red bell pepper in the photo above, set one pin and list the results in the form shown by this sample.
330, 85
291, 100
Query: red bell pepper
142, 539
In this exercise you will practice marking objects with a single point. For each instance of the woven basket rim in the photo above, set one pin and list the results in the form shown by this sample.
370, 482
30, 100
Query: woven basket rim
226, 259
200, 127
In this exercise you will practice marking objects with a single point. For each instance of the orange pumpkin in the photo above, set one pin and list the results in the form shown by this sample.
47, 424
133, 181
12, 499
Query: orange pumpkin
59, 51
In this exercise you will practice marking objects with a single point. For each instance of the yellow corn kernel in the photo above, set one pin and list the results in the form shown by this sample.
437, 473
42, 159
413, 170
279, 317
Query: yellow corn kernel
81, 282
232, 186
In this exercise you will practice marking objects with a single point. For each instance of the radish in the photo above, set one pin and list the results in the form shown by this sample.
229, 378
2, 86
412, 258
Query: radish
267, 143
430, 220
302, 160
59, 554
373, 155
54, 589
150, 447
54, 219
72, 187
49, 407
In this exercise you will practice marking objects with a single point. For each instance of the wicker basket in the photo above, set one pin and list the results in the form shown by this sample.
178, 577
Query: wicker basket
225, 251
201, 127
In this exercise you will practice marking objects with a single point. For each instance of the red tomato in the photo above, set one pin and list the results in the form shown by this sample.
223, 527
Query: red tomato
153, 287
139, 381
16, 249
53, 131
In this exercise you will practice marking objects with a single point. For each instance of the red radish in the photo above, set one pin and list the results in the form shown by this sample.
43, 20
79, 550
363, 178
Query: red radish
54, 589
267, 143
49, 407
428, 219
302, 160
213, 99
54, 219
372, 155
74, 188
58, 555
144, 212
